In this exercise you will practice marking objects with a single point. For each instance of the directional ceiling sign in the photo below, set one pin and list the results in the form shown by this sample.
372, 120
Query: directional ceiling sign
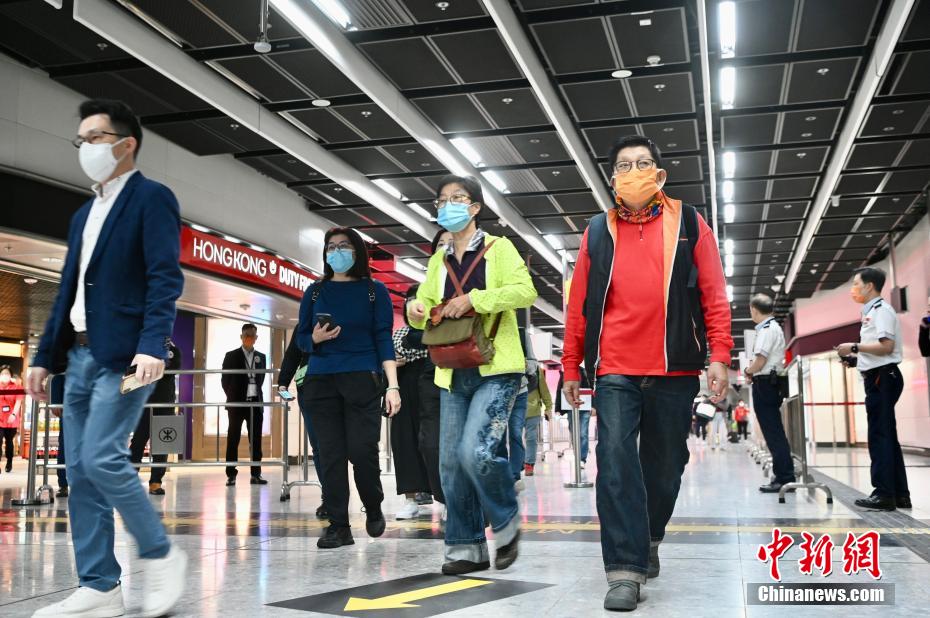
418, 596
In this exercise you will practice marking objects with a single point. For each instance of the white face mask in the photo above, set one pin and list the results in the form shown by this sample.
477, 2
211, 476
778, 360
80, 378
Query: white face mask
97, 160
4, 378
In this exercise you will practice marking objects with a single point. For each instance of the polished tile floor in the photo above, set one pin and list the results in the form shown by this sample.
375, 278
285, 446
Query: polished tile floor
251, 553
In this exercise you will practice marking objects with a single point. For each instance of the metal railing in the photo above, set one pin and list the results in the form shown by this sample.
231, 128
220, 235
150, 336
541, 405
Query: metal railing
45, 494
796, 432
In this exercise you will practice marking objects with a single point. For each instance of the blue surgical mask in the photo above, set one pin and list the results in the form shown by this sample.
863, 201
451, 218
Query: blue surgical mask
341, 260
454, 217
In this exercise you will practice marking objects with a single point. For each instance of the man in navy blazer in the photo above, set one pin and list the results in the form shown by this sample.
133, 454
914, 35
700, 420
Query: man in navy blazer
115, 309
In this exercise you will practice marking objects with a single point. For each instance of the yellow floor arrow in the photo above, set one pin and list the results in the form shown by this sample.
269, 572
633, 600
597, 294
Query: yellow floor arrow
403, 599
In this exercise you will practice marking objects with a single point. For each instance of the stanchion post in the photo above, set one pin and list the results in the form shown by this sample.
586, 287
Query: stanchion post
30, 498
576, 446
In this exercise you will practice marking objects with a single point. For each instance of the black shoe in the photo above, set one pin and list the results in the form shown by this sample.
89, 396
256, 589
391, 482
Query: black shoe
461, 567
903, 503
258, 480
424, 498
653, 561
623, 596
9, 466
322, 512
156, 489
62, 492
507, 554
876, 503
335, 536
231, 481
774, 487
374, 522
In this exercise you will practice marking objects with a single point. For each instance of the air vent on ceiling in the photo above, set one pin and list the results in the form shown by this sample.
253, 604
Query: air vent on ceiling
373, 14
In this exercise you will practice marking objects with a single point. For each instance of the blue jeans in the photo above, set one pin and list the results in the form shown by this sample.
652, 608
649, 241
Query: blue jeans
475, 479
637, 488
515, 426
98, 420
531, 430
585, 417
314, 440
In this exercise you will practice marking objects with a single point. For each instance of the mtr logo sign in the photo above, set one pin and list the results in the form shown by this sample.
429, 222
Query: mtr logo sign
217, 255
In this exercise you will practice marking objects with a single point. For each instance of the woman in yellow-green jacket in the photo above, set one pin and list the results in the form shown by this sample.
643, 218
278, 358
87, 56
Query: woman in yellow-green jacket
476, 403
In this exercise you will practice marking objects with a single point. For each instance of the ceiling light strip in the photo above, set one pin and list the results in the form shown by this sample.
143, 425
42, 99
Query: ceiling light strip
138, 40
515, 37
315, 26
890, 33
708, 114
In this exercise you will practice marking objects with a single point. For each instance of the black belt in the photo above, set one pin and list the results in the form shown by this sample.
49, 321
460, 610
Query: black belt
82, 339
877, 370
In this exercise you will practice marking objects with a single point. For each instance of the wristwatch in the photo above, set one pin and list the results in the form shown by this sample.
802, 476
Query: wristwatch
855, 348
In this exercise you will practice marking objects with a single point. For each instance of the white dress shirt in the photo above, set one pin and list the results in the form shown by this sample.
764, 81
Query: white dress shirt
770, 343
250, 363
106, 196
879, 321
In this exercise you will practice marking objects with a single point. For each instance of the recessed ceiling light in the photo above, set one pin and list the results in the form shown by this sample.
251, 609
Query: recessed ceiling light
801, 155
868, 236
668, 129
645, 22
53, 260
292, 161
896, 199
888, 129
337, 189
442, 6
777, 242
676, 162
810, 118
320, 103
534, 141
621, 73
897, 112
425, 164
507, 100
233, 126
806, 134
671, 145
823, 71
659, 87
787, 206
556, 172
102, 46
544, 155
366, 113
30, 281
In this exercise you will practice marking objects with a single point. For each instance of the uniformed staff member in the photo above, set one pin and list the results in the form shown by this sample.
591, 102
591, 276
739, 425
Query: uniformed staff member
877, 356
769, 362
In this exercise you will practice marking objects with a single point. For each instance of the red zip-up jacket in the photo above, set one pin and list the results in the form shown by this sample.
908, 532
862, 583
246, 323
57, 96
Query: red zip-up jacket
633, 332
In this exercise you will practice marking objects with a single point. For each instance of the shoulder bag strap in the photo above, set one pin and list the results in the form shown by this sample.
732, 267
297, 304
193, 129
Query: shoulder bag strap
459, 285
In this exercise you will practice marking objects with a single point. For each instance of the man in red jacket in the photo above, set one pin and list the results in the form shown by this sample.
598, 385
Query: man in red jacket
647, 297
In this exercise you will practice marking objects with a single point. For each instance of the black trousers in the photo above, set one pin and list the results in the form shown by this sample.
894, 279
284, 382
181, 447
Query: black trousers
429, 431
767, 401
253, 419
883, 387
702, 427
742, 429
409, 465
8, 434
346, 413
141, 436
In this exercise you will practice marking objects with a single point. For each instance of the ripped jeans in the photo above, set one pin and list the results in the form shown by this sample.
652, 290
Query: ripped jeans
476, 481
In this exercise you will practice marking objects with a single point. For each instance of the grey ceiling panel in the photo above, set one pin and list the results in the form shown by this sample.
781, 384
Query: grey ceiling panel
748, 190
812, 125
602, 139
894, 118
558, 43
539, 147
429, 11
263, 166
109, 86
878, 224
914, 76
848, 206
194, 138
413, 189
918, 153
791, 188
800, 160
453, 114
577, 202
558, 178
792, 228
859, 183
413, 157
755, 130
663, 94
879, 154
759, 86
188, 22
764, 27
292, 166
316, 73
530, 206
597, 100
677, 136
551, 225
821, 80
409, 63
513, 108
789, 210
661, 33
683, 168
478, 55
749, 163
237, 134
262, 77
368, 161
835, 23
918, 27
689, 194
501, 151
371, 120
242, 16
910, 180
327, 125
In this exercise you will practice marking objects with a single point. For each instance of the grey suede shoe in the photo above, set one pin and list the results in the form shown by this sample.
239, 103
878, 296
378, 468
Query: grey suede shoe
653, 561
622, 596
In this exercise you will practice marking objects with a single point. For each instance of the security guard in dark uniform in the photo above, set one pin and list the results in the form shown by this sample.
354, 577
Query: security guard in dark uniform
877, 356
768, 363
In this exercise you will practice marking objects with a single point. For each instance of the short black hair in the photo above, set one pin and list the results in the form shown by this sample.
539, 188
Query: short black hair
360, 269
631, 141
763, 303
472, 187
123, 120
434, 246
875, 276
249, 326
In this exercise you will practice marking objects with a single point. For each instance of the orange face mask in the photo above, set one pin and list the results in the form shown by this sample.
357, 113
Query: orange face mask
857, 295
636, 186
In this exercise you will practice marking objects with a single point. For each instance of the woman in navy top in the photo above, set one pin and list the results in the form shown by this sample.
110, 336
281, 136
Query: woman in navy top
350, 354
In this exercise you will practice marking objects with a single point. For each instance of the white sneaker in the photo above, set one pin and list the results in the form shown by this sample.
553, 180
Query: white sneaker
86, 603
410, 510
519, 486
582, 465
164, 581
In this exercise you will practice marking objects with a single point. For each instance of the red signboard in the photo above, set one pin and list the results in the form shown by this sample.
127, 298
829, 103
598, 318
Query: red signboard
217, 255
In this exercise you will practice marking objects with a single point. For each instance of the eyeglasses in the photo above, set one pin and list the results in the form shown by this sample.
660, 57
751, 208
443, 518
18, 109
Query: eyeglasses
458, 198
94, 137
642, 165
340, 246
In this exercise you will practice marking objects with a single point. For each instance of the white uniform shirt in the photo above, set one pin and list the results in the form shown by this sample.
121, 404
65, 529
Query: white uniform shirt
250, 364
879, 321
770, 343
103, 203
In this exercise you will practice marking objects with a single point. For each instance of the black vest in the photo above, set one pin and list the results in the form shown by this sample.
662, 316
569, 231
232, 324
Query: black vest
685, 333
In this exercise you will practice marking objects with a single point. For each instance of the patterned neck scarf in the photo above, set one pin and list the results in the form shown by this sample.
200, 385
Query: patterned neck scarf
650, 212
